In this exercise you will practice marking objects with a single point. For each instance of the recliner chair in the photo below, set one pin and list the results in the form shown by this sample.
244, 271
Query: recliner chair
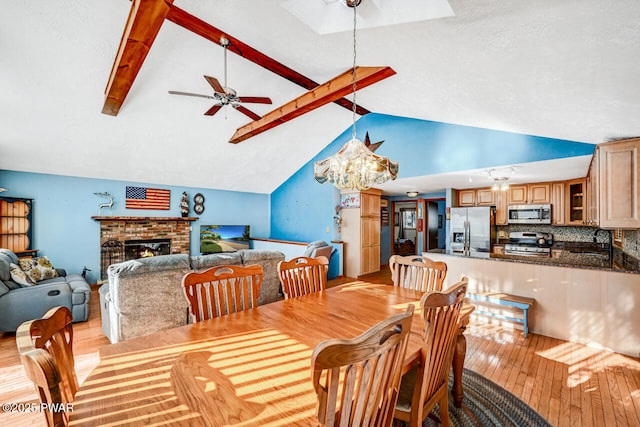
21, 303
319, 248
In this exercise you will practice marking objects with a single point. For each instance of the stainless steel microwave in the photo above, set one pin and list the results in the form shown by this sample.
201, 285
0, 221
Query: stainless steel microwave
529, 214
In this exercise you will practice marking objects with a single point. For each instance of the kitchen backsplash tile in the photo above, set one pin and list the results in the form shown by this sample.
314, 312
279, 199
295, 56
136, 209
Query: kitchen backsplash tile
630, 243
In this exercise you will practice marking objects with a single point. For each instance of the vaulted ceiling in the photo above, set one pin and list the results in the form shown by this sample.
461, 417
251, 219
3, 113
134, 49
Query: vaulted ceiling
561, 69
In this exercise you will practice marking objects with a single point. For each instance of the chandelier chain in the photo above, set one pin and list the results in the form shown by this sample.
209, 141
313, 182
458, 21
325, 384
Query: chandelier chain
354, 88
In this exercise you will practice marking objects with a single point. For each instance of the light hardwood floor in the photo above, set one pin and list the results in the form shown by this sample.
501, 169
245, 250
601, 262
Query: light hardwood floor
569, 384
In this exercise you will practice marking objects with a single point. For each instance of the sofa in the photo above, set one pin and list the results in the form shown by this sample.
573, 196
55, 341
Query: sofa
145, 295
19, 303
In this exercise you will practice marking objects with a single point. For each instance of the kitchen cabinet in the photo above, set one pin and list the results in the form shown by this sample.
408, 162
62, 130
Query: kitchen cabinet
485, 197
575, 210
477, 197
502, 215
361, 234
517, 194
557, 203
524, 194
593, 184
618, 184
467, 197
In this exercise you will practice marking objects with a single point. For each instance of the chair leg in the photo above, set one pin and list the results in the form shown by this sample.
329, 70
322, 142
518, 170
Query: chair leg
444, 409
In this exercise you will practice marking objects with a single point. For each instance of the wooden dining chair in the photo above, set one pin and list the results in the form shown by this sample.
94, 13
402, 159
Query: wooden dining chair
45, 346
357, 380
428, 384
222, 290
417, 272
303, 275
42, 370
54, 334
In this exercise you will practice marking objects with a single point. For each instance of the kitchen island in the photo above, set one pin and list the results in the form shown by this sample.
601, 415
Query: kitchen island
592, 305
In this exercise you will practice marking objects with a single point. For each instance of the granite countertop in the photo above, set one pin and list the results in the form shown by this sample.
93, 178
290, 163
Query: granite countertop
565, 260
580, 255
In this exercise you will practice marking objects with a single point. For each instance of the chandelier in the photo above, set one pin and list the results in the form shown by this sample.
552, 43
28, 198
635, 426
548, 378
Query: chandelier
354, 166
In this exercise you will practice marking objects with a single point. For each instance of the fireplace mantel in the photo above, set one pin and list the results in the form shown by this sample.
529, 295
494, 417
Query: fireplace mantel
142, 218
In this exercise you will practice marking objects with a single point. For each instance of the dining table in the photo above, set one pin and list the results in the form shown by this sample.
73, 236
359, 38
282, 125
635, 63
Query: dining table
248, 368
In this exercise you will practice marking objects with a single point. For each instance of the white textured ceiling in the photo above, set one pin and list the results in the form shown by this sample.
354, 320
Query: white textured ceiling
554, 68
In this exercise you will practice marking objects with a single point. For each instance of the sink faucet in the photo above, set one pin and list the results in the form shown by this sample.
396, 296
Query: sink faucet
595, 240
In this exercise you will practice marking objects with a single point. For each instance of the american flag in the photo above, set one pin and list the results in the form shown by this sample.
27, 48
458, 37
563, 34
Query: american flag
148, 198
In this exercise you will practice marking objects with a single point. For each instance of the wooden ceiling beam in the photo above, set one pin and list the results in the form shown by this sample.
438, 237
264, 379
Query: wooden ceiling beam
335, 88
143, 24
211, 33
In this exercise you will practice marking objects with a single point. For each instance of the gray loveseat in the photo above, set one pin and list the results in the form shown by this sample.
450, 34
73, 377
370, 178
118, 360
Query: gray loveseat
19, 304
145, 295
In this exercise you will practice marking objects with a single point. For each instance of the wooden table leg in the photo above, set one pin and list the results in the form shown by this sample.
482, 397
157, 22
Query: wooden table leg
459, 353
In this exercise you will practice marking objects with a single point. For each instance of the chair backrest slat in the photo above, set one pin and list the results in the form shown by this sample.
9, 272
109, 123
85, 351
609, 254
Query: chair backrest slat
357, 380
441, 314
222, 290
46, 352
417, 272
303, 275
42, 370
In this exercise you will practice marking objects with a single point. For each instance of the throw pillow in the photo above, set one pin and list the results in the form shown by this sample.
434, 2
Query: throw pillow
38, 268
19, 276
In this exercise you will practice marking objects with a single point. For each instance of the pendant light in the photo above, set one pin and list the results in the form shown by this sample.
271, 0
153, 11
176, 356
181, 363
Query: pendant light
354, 166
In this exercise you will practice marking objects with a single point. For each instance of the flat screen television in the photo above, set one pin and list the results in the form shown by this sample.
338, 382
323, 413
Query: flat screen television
223, 238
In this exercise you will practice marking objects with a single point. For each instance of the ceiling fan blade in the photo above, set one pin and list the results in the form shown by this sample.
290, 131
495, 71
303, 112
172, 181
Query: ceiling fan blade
255, 99
215, 84
211, 111
175, 92
246, 111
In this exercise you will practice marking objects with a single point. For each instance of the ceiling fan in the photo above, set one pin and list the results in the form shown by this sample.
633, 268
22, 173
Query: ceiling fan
226, 95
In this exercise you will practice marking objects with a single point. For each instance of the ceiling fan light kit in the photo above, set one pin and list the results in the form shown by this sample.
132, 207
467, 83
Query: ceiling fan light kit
354, 166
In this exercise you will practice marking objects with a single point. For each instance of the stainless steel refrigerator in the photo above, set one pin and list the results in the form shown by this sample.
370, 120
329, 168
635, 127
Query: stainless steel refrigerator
472, 231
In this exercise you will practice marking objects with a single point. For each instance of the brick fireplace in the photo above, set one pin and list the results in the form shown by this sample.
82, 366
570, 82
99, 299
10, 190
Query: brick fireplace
118, 232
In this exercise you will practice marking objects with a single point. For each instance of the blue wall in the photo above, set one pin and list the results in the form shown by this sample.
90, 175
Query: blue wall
302, 209
299, 210
63, 207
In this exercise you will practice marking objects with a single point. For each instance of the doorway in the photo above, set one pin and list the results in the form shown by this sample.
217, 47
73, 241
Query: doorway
418, 226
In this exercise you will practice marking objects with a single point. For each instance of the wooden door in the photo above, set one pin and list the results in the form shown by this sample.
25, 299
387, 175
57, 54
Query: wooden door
467, 197
501, 208
593, 188
370, 250
575, 200
557, 203
517, 195
539, 193
370, 231
619, 184
485, 197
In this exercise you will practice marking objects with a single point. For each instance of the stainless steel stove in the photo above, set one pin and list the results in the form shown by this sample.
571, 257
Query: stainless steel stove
526, 243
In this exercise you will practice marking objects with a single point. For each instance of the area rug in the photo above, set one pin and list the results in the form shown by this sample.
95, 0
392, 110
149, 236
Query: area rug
486, 404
